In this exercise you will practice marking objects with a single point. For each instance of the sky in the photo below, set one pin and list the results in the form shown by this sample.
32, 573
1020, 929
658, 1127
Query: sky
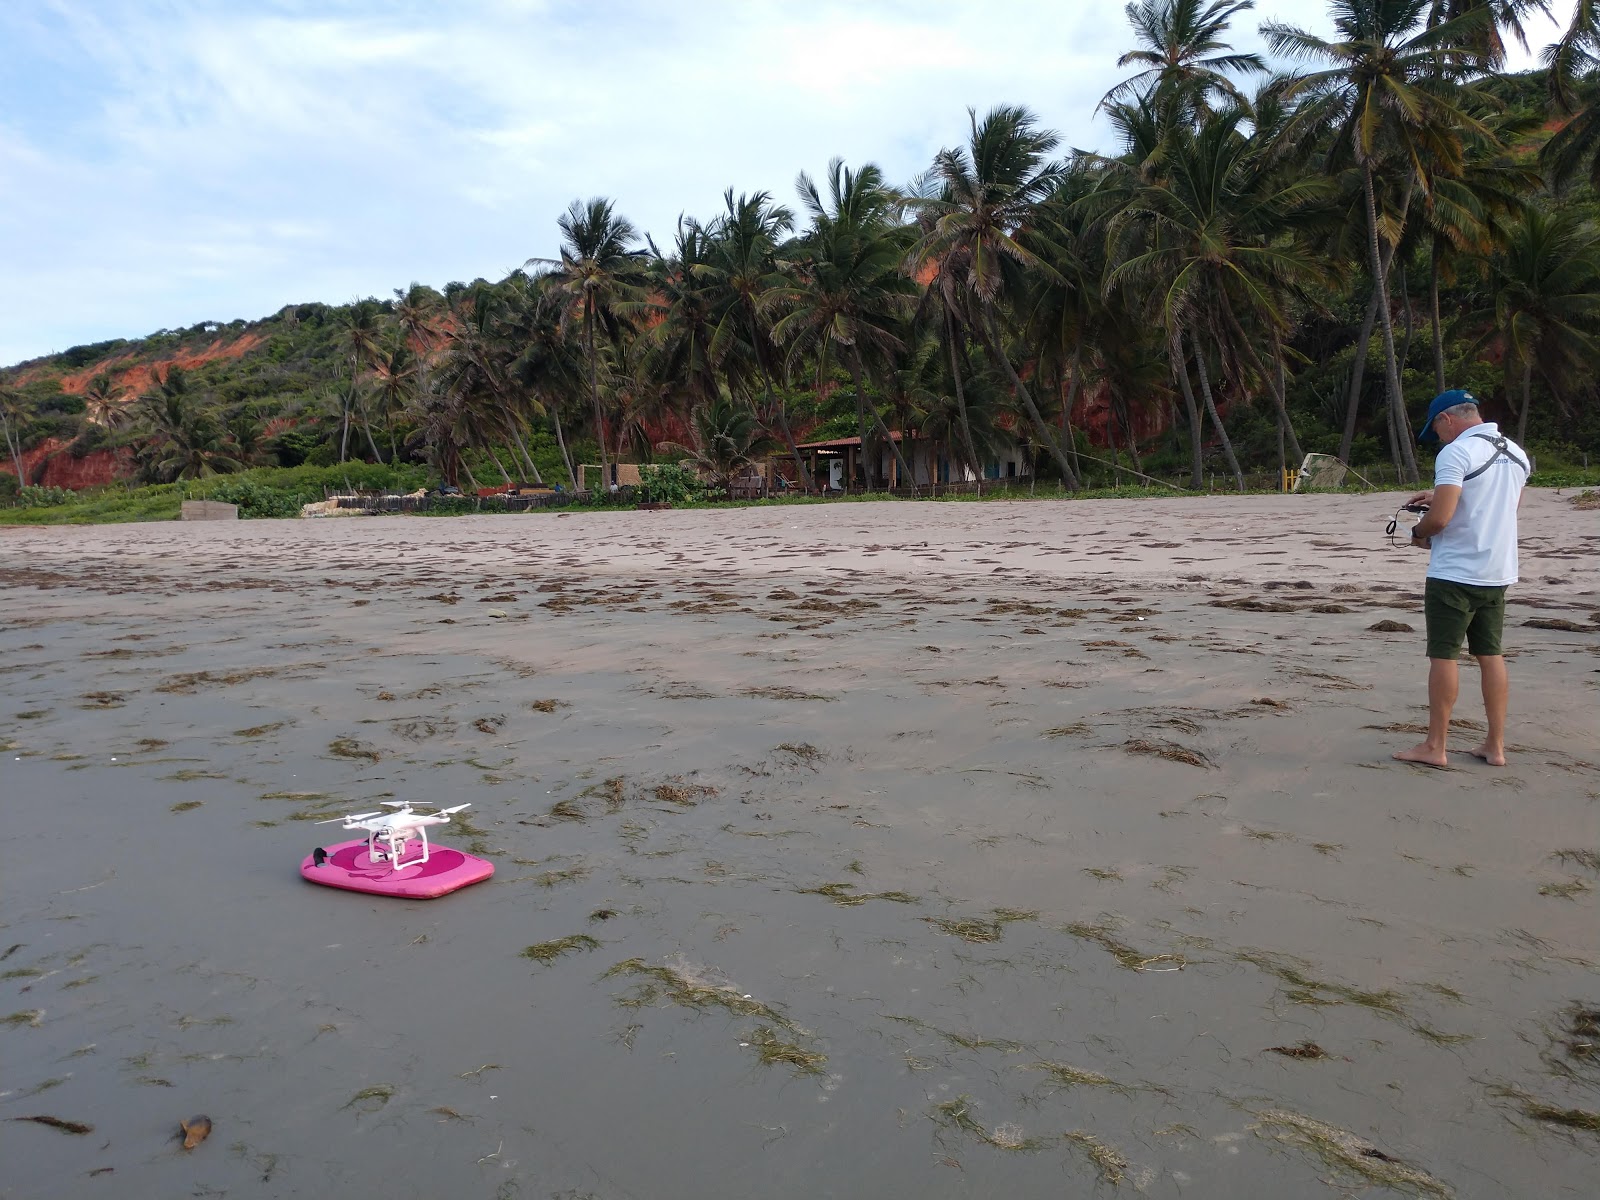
167, 162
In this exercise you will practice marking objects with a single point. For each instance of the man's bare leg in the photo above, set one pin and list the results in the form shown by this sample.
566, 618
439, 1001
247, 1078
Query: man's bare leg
1444, 681
1496, 692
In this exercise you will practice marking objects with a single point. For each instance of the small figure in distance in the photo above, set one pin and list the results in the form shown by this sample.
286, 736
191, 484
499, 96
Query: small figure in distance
1470, 532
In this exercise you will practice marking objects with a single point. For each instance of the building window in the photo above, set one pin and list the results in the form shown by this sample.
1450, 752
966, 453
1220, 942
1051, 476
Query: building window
1011, 470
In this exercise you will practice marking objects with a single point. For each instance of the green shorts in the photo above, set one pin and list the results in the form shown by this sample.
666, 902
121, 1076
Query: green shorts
1463, 610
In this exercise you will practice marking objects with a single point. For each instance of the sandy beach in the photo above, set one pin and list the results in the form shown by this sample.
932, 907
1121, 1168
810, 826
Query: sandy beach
916, 850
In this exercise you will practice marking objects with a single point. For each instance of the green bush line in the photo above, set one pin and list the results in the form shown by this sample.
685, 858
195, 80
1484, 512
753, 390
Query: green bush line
278, 492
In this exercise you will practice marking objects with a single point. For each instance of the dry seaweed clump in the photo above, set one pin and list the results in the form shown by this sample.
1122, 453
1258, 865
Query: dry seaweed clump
1113, 1167
370, 1099
1065, 1075
687, 795
350, 748
974, 930
1170, 751
1354, 1160
1579, 1119
548, 952
772, 1049
1104, 936
1306, 990
957, 1114
845, 895
691, 987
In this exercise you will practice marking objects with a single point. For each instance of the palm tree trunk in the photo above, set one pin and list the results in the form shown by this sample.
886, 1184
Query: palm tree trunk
1273, 381
1180, 368
526, 457
961, 393
856, 373
1392, 369
499, 466
366, 425
349, 403
594, 396
14, 446
1527, 400
1433, 314
780, 407
1067, 405
1358, 370
1405, 303
869, 471
561, 441
1211, 410
997, 354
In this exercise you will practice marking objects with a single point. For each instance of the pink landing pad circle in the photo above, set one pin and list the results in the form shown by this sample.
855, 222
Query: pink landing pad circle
347, 866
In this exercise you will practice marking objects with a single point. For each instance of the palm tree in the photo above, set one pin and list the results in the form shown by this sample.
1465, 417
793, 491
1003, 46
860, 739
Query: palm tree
13, 412
1544, 305
742, 269
1185, 60
398, 376
601, 275
1488, 44
848, 296
360, 338
1394, 88
549, 367
727, 439
992, 189
104, 401
184, 439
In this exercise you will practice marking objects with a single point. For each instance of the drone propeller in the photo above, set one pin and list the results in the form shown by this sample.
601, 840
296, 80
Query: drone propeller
445, 812
395, 803
355, 817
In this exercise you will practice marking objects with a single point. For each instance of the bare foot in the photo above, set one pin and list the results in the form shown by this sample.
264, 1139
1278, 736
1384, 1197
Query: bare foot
1424, 754
1495, 758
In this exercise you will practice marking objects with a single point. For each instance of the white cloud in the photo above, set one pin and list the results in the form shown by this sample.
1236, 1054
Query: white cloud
169, 161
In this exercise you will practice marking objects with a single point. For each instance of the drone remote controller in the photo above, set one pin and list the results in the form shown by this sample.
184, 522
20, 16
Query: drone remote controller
1415, 508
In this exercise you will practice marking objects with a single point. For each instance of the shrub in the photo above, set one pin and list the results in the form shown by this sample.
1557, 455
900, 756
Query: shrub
668, 483
256, 501
33, 496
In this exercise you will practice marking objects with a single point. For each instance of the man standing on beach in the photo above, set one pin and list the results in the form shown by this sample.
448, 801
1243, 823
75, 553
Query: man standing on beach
1470, 531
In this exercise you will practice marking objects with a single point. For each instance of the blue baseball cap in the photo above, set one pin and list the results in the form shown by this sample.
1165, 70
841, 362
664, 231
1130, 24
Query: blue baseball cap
1441, 402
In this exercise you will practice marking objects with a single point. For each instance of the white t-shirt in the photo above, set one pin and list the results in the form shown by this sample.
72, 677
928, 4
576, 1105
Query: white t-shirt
1479, 546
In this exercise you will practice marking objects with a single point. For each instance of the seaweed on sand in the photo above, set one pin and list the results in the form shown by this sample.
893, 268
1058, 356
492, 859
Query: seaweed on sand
1305, 989
771, 1048
76, 1127
1589, 860
957, 1114
1353, 1158
1170, 751
372, 1098
1304, 1050
1108, 1160
973, 930
1104, 936
1551, 1114
845, 895
28, 1016
1065, 1075
350, 748
689, 988
548, 952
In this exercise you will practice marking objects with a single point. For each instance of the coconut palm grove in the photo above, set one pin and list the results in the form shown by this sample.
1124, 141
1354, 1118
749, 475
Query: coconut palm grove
1278, 255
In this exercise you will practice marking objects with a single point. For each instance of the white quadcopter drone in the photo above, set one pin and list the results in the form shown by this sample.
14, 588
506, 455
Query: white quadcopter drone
396, 828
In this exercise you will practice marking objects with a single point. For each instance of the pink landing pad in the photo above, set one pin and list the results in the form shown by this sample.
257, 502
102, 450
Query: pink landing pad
348, 867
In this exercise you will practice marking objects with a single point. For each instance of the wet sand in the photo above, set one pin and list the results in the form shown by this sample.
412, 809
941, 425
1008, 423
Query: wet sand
917, 850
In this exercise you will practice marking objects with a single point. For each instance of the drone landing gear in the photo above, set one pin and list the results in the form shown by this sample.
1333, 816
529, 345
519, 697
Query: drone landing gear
393, 853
